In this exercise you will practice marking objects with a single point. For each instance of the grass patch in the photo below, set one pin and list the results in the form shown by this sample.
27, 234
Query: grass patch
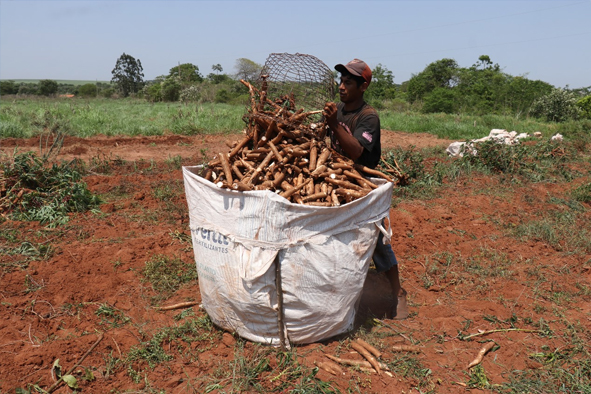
264, 369
17, 251
489, 263
564, 230
460, 127
111, 316
131, 117
582, 193
167, 275
566, 370
177, 339
411, 367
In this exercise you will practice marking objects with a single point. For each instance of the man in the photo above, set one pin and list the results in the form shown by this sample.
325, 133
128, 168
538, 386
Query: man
354, 130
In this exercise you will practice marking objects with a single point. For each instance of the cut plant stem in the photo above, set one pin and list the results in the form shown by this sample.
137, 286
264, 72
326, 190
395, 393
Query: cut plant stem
499, 330
61, 379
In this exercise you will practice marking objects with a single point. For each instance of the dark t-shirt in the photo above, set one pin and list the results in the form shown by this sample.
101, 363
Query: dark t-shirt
364, 124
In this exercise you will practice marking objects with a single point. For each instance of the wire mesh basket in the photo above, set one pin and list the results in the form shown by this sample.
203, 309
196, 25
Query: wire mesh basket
302, 79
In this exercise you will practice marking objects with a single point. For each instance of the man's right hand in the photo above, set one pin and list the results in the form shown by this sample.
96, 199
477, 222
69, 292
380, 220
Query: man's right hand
330, 114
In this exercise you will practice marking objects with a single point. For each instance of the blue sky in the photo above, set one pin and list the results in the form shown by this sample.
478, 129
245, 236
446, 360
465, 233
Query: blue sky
81, 40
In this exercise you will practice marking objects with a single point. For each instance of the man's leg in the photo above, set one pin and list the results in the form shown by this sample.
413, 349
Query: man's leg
400, 307
385, 261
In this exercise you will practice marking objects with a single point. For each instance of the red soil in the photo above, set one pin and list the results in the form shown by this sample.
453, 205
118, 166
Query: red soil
49, 307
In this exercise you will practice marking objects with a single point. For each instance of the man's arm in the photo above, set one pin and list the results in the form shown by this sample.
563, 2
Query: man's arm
352, 148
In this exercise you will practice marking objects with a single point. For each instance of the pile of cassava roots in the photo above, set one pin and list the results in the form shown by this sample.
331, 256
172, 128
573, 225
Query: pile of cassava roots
284, 152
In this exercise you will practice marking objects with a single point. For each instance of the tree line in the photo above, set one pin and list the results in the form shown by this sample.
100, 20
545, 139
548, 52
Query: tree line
442, 87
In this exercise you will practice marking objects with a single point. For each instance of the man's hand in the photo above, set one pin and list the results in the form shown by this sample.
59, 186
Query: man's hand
330, 113
351, 147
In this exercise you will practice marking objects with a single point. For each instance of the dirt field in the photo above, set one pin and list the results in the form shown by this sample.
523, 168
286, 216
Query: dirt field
463, 270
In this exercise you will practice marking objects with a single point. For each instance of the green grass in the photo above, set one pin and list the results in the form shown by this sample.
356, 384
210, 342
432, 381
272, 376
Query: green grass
111, 316
266, 370
167, 275
460, 127
564, 229
74, 82
130, 117
88, 117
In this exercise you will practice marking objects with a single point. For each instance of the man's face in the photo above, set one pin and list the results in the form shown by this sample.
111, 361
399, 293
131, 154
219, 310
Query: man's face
349, 91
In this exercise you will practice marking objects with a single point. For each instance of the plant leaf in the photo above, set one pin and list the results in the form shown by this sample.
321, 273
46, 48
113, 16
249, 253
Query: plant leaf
39, 389
57, 368
70, 381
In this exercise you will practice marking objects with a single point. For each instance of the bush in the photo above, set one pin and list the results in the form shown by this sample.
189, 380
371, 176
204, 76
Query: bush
222, 96
582, 193
153, 92
439, 100
47, 87
87, 90
51, 192
108, 93
584, 105
8, 87
170, 89
559, 105
27, 88
191, 93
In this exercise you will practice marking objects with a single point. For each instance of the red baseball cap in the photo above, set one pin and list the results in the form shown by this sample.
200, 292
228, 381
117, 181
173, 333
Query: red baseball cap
356, 67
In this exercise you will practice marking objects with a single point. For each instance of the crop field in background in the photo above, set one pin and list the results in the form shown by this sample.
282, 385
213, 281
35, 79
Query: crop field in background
494, 250
74, 82
20, 118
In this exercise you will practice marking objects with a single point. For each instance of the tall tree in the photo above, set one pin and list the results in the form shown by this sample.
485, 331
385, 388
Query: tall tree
247, 69
382, 84
186, 73
47, 87
439, 74
128, 75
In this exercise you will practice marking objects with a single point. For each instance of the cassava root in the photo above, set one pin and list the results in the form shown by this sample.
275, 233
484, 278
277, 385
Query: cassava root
283, 152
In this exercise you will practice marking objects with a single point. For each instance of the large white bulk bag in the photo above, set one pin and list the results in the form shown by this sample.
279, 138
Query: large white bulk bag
323, 253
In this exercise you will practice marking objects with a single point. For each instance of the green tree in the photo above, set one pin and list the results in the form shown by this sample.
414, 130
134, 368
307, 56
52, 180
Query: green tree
128, 75
217, 78
28, 88
8, 87
186, 73
522, 92
47, 87
247, 69
584, 105
440, 100
382, 85
439, 74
